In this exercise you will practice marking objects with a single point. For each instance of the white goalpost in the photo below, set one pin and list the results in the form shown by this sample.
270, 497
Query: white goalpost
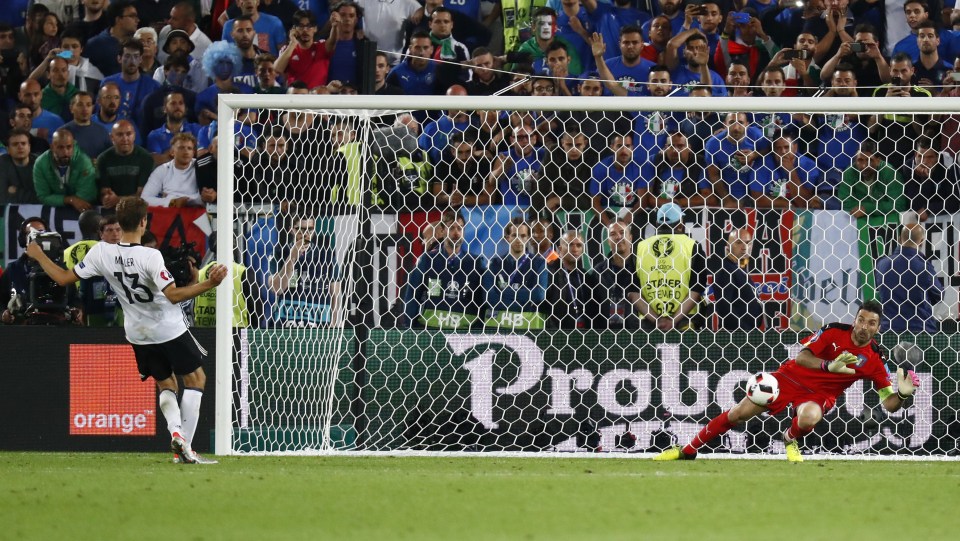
364, 340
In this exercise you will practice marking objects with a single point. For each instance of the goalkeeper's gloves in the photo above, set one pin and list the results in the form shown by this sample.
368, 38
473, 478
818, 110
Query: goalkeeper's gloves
907, 383
839, 365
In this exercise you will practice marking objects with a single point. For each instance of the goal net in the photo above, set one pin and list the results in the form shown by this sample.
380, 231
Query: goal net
576, 275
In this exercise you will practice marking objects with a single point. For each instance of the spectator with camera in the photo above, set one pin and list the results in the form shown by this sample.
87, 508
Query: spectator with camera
27, 294
863, 56
895, 133
64, 175
743, 36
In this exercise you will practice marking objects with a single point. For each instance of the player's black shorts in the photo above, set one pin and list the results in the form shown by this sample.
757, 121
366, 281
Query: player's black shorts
180, 356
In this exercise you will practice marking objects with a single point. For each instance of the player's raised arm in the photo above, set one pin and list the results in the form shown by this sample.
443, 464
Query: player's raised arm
177, 295
59, 274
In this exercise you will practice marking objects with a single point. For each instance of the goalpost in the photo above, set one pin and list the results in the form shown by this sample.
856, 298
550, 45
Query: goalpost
330, 363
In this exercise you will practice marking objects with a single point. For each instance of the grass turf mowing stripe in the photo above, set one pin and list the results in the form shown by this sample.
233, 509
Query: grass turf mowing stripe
144, 496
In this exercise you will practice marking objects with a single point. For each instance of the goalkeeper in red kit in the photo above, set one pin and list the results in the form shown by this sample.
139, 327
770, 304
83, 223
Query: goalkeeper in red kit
832, 360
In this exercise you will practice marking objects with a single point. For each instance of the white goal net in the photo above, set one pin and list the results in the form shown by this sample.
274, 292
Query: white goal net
577, 275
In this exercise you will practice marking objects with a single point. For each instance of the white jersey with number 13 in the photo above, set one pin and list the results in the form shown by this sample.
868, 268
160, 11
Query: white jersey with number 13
138, 276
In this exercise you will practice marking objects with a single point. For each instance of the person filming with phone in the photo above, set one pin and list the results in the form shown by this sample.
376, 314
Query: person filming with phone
864, 56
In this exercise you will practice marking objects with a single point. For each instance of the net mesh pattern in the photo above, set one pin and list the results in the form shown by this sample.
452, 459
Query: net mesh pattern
583, 281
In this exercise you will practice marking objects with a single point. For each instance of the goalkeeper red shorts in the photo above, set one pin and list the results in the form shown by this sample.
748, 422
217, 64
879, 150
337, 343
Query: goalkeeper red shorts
792, 393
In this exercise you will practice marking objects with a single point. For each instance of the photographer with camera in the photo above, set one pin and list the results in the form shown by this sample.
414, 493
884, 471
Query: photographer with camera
154, 325
182, 262
27, 294
863, 55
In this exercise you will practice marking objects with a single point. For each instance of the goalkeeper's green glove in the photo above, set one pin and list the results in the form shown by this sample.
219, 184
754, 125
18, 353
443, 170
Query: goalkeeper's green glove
907, 383
839, 365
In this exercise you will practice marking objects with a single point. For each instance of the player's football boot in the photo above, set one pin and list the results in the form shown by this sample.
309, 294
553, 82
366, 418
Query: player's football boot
180, 447
675, 452
203, 460
793, 451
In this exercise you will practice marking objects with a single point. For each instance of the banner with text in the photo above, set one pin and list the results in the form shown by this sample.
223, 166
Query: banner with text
624, 392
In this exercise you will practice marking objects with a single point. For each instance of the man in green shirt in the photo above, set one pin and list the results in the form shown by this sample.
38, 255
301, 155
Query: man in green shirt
872, 192
59, 91
64, 175
122, 169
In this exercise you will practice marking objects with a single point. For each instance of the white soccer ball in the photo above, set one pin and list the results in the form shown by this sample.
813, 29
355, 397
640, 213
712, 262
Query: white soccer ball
763, 389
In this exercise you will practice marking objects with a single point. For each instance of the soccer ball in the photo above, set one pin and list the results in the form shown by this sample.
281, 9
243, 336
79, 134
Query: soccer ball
762, 389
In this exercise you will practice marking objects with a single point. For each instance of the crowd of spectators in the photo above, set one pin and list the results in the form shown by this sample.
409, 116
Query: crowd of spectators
107, 99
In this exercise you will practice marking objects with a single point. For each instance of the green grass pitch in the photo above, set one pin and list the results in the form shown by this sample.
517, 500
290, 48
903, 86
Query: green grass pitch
52, 496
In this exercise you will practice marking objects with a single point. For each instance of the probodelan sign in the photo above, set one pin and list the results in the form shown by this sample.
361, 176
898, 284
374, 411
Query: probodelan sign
584, 391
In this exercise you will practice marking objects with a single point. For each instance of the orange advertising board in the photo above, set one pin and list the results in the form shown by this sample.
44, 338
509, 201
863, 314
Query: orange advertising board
106, 394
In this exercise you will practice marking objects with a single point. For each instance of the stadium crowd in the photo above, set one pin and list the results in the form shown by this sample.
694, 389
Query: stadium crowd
107, 99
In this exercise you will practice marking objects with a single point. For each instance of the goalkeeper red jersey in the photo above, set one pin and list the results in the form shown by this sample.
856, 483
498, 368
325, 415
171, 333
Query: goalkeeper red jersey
827, 343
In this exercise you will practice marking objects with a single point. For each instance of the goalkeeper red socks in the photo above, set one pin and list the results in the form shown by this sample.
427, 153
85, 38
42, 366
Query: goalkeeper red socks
795, 432
718, 426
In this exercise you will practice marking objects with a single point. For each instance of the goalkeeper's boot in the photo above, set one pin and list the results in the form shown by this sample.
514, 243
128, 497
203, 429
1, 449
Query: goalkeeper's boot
180, 447
675, 452
793, 451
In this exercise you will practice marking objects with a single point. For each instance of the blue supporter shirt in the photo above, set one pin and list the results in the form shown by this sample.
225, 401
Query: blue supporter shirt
908, 287
48, 120
949, 45
519, 181
208, 98
838, 141
343, 62
470, 8
270, 36
516, 284
683, 75
132, 94
414, 82
102, 51
617, 189
444, 282
773, 181
633, 78
158, 141
720, 153
436, 135
15, 13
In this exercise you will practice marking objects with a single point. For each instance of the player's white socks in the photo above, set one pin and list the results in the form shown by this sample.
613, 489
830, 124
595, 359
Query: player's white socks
171, 411
190, 412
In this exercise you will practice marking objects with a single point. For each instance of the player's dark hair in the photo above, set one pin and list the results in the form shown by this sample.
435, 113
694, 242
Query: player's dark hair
130, 212
108, 220
89, 223
18, 132
873, 306
929, 24
630, 29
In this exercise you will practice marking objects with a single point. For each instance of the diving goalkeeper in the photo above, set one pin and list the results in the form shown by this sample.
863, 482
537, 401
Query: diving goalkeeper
831, 360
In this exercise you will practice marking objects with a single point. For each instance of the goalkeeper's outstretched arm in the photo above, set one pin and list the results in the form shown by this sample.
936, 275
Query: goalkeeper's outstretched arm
907, 383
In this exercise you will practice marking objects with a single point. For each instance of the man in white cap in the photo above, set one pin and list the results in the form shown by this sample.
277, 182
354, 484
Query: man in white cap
671, 274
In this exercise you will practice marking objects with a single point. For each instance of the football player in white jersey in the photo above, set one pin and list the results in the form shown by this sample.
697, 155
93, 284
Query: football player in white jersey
153, 322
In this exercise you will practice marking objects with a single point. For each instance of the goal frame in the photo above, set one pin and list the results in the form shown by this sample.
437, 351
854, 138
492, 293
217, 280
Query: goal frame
357, 105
